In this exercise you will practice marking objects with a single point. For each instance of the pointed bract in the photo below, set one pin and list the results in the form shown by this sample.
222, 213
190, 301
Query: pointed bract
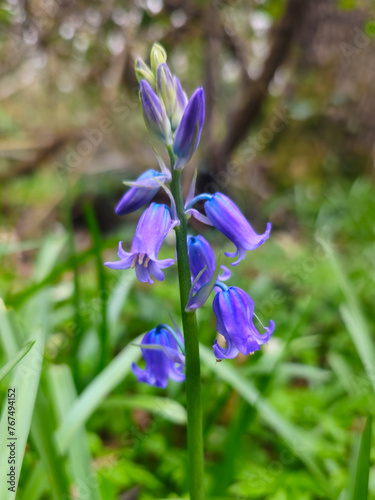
189, 130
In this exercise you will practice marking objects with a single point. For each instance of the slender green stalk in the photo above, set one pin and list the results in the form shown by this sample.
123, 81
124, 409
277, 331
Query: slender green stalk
190, 327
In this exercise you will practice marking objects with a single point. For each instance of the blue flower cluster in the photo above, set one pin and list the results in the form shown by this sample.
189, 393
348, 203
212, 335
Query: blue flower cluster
177, 122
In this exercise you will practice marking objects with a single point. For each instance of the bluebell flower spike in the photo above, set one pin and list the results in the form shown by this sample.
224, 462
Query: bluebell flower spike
154, 114
228, 219
161, 354
234, 311
153, 227
189, 131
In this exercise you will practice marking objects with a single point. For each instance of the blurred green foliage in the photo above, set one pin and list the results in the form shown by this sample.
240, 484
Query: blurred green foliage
288, 422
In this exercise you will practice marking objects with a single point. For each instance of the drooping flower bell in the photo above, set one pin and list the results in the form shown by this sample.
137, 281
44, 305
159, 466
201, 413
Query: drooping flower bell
202, 256
153, 226
189, 131
166, 88
181, 103
143, 190
228, 219
234, 311
155, 114
163, 358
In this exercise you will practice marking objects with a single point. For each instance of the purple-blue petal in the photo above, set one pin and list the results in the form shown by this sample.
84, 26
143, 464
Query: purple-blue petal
159, 366
234, 311
190, 128
154, 112
153, 226
137, 197
201, 255
228, 219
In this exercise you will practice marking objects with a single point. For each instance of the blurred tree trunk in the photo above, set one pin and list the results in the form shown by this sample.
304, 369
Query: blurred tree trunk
250, 102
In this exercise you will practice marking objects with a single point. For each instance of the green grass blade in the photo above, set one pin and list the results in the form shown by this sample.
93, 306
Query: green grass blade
359, 478
25, 380
15, 360
102, 283
298, 440
22, 246
63, 395
353, 317
115, 307
37, 484
361, 338
163, 407
42, 428
95, 393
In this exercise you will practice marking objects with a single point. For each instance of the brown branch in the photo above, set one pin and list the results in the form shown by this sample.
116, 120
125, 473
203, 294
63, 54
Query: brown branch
251, 102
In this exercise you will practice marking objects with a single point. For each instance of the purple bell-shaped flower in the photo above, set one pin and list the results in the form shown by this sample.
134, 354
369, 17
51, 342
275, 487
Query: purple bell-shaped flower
163, 358
228, 219
153, 226
234, 311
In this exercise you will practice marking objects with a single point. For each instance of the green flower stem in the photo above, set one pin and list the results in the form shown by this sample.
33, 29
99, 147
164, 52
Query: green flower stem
190, 327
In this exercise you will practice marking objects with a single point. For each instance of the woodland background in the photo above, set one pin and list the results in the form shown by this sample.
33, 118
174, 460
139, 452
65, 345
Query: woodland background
289, 134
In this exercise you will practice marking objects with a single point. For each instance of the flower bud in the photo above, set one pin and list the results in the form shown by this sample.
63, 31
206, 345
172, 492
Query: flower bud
143, 72
181, 103
158, 56
166, 88
154, 114
189, 130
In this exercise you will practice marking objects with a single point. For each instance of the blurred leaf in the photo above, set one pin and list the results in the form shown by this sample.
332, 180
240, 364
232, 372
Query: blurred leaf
354, 318
163, 407
25, 381
63, 395
95, 393
22, 246
116, 303
359, 474
15, 360
37, 484
300, 442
